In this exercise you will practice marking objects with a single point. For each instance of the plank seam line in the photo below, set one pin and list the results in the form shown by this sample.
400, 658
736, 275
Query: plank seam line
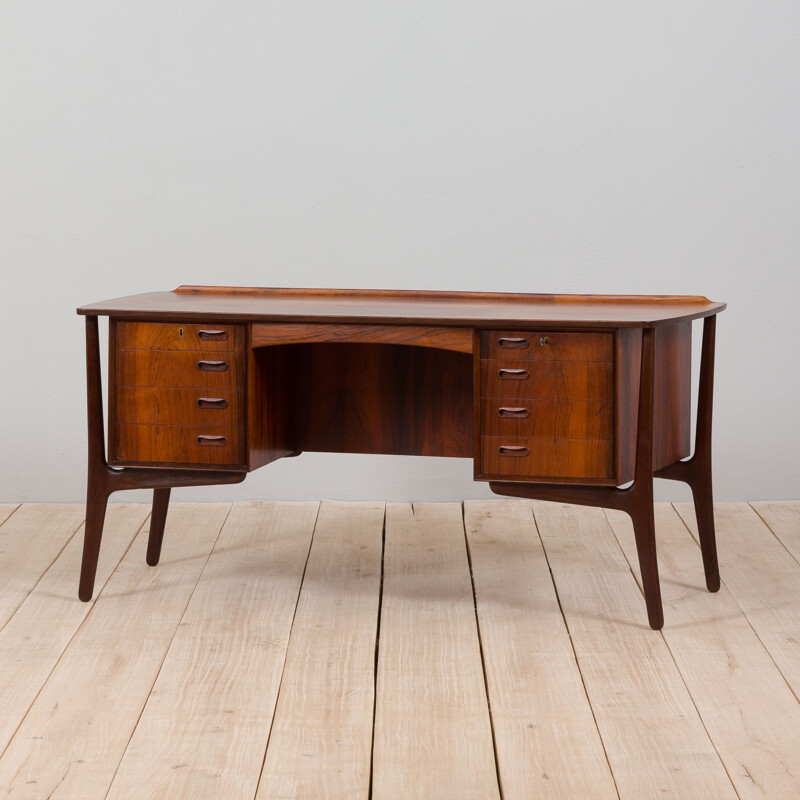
14, 510
45, 570
286, 651
480, 648
166, 652
574, 652
377, 652
744, 613
92, 602
769, 528
675, 662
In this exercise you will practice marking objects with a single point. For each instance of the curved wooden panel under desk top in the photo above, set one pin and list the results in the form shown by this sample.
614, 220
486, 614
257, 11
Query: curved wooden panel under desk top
477, 309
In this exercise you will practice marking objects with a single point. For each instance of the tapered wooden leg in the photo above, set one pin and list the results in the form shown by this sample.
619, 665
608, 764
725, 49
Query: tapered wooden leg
644, 528
696, 471
96, 503
157, 521
704, 511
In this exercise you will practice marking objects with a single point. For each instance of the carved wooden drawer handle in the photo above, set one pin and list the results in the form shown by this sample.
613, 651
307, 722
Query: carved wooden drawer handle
514, 374
211, 402
212, 366
213, 441
513, 341
513, 450
516, 413
216, 335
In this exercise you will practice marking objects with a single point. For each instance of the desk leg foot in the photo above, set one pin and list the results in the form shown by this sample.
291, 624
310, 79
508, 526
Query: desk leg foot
158, 520
704, 513
96, 503
644, 529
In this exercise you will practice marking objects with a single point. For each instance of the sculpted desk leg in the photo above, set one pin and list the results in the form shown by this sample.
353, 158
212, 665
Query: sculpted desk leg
696, 471
96, 503
104, 481
98, 489
158, 520
638, 502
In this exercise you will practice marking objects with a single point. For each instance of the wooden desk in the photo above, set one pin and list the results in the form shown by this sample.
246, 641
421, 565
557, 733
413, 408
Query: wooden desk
554, 397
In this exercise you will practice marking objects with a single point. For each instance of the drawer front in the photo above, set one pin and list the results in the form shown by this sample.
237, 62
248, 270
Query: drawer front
547, 380
211, 338
178, 444
571, 419
547, 346
187, 370
540, 458
151, 405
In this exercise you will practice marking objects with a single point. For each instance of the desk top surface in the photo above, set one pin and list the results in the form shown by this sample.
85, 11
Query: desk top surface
480, 309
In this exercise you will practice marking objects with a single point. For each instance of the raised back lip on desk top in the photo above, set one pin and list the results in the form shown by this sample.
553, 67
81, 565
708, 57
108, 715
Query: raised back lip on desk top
388, 306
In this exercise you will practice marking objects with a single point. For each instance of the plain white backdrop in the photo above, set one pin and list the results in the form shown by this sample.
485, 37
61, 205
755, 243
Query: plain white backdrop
622, 147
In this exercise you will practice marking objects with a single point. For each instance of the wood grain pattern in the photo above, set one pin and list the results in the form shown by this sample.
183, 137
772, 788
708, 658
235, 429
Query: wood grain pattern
764, 579
653, 736
179, 444
369, 398
741, 696
227, 656
547, 380
591, 459
547, 742
71, 742
547, 346
321, 739
571, 419
431, 702
73, 737
50, 609
212, 338
31, 539
482, 309
181, 370
442, 338
192, 407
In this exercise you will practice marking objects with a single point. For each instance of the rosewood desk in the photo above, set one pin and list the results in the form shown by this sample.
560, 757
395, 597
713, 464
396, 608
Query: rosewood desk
554, 397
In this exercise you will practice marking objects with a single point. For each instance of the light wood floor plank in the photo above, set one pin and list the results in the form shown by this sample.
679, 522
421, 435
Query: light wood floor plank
35, 637
748, 710
783, 519
432, 729
30, 541
764, 579
655, 741
321, 739
71, 741
204, 730
547, 742
6, 510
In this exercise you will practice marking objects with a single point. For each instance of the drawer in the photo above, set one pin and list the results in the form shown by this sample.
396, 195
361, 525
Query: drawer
547, 346
572, 419
528, 457
547, 380
152, 405
210, 338
177, 444
189, 370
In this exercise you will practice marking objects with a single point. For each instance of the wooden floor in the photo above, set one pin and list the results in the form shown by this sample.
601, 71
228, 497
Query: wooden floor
495, 649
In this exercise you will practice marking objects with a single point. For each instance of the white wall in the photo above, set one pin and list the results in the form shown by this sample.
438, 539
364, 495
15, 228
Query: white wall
623, 147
